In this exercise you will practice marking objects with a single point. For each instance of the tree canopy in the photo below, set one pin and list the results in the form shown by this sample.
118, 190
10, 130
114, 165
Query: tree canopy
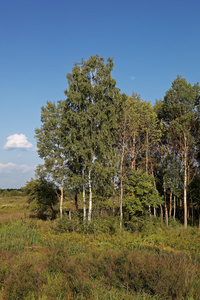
102, 144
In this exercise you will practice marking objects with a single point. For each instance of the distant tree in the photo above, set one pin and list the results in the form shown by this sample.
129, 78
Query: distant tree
5, 193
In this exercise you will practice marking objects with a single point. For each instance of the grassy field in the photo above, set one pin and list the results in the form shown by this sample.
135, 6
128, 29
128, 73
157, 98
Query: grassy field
66, 260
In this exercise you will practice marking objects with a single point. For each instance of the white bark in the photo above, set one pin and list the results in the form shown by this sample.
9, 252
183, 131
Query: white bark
121, 188
185, 183
174, 216
90, 197
84, 204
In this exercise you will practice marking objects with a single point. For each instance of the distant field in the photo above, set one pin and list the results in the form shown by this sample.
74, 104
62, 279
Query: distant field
13, 208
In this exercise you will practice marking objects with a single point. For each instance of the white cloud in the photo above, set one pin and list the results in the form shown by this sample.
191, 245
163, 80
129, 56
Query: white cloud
17, 141
11, 168
132, 78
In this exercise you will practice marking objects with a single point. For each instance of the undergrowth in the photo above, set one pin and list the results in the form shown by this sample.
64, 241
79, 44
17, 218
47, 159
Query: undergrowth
59, 260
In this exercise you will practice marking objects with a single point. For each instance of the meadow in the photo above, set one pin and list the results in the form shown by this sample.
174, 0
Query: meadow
54, 259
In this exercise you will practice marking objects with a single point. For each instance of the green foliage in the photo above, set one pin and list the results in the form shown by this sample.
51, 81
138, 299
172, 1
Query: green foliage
10, 193
43, 195
51, 146
139, 192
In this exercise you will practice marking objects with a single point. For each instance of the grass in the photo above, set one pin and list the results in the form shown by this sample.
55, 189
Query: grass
50, 260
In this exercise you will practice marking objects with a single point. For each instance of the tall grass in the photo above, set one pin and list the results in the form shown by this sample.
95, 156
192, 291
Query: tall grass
17, 236
47, 260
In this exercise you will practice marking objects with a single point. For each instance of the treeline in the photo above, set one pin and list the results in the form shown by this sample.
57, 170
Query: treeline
107, 145
10, 192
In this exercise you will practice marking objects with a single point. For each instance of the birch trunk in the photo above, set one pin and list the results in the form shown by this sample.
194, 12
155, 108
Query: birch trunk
154, 212
154, 184
90, 197
166, 210
174, 216
147, 152
185, 183
170, 204
161, 214
84, 204
133, 153
166, 214
147, 162
113, 197
121, 188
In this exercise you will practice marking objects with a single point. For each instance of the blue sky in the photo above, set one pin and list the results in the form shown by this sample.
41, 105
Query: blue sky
151, 41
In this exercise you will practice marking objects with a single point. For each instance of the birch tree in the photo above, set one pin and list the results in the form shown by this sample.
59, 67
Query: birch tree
51, 148
179, 112
90, 115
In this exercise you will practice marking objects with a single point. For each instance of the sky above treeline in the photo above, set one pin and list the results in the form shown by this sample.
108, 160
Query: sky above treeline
151, 41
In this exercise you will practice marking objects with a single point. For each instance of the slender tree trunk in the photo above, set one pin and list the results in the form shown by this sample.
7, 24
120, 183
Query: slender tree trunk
154, 184
149, 211
121, 189
185, 184
166, 214
154, 212
170, 204
61, 200
147, 152
147, 162
90, 197
166, 210
161, 214
76, 199
192, 207
84, 203
174, 216
113, 197
133, 153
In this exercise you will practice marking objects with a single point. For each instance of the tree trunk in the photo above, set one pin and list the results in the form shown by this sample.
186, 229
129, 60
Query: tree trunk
113, 197
133, 153
174, 216
149, 211
90, 197
121, 189
166, 214
154, 212
147, 152
165, 198
154, 184
192, 207
170, 204
61, 200
161, 214
185, 185
84, 204
76, 199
